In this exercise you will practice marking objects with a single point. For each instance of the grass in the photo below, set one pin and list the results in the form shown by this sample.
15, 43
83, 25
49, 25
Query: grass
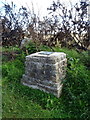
19, 106
20, 101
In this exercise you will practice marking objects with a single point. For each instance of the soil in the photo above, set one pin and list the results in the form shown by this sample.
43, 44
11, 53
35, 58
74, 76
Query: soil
10, 55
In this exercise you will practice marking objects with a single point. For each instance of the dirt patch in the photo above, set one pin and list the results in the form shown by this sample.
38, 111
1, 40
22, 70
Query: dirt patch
9, 55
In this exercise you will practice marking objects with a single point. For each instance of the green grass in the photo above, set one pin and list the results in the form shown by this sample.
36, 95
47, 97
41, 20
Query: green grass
11, 48
23, 102
19, 106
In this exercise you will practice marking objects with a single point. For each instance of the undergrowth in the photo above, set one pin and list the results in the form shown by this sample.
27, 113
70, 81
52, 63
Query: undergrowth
73, 103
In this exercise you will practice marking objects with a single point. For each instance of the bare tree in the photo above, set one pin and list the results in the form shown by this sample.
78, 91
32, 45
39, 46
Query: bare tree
72, 23
13, 24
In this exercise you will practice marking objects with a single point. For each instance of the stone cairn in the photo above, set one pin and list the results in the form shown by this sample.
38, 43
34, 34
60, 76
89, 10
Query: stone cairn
45, 71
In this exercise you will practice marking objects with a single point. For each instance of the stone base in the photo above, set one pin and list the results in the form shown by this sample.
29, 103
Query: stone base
46, 89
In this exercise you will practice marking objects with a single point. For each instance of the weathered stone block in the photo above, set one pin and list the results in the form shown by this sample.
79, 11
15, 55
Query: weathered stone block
45, 71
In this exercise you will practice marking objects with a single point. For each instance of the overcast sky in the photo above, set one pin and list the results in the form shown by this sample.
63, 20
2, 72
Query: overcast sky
39, 5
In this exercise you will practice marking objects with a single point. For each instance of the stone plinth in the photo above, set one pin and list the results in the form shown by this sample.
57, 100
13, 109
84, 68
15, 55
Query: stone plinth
45, 71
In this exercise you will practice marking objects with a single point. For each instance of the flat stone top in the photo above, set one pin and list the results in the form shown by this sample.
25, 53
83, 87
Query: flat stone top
47, 54
46, 57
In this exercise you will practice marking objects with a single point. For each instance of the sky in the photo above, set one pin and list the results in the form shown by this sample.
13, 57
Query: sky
40, 6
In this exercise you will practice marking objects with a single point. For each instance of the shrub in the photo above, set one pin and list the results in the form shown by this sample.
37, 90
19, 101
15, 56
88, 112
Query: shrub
76, 87
13, 70
31, 48
85, 58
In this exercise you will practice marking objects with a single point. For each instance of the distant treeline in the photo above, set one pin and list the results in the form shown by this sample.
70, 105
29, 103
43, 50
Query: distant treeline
65, 27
